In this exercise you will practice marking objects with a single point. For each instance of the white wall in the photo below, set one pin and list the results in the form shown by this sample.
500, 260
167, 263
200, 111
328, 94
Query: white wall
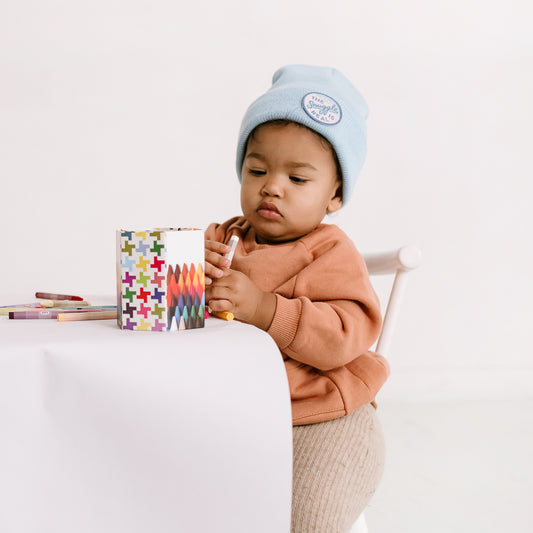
125, 114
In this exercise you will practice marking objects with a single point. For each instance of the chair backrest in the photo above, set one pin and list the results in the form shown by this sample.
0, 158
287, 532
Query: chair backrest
398, 262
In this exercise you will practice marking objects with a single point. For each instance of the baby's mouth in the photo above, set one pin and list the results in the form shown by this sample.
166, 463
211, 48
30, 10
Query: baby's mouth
269, 211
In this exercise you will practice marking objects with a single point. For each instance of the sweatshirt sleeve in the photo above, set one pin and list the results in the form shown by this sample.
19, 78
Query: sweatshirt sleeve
334, 314
215, 232
222, 232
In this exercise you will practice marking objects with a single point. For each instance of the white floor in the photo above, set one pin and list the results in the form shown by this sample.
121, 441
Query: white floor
456, 466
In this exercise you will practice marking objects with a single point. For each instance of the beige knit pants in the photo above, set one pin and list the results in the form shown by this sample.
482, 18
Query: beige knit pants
337, 466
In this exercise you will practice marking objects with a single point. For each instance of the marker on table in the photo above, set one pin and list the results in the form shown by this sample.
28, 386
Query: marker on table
49, 296
13, 315
46, 313
226, 315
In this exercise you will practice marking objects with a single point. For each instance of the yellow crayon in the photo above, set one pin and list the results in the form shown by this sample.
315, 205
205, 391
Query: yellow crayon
225, 315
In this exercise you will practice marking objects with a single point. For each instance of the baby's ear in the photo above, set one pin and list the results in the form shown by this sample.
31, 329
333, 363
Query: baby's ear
336, 202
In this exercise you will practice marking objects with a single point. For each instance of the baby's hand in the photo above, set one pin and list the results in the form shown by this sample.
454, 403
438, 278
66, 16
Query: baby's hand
215, 262
237, 293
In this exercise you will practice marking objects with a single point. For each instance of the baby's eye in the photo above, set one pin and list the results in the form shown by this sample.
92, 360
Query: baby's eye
294, 179
256, 172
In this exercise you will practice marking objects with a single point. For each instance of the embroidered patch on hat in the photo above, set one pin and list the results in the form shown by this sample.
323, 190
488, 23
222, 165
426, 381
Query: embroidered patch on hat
322, 108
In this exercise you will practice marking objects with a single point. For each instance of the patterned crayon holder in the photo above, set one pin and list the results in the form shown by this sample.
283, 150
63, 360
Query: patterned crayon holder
160, 279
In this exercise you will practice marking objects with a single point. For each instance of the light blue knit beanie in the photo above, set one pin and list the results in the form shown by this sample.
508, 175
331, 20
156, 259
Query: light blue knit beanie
325, 101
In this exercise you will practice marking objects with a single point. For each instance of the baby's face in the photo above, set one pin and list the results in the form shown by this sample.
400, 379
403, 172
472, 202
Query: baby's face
289, 182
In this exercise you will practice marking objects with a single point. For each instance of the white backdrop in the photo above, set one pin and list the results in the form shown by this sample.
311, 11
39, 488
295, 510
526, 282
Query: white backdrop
125, 114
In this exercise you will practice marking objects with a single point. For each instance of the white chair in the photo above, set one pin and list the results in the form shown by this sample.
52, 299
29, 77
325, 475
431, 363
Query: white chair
398, 262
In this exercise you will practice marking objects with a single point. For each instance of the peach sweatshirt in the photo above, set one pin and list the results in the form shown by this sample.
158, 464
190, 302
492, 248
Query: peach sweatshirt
327, 316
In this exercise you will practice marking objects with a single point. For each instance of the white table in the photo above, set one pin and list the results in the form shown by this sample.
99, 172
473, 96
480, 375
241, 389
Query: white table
103, 430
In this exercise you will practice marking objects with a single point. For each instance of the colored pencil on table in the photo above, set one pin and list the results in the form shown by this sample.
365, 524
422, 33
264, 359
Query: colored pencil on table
64, 303
50, 296
89, 315
8, 309
34, 304
85, 308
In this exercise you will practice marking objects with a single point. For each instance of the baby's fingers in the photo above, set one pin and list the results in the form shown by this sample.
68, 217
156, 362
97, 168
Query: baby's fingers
215, 261
218, 247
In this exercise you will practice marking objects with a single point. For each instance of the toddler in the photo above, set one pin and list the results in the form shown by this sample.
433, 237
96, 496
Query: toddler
301, 146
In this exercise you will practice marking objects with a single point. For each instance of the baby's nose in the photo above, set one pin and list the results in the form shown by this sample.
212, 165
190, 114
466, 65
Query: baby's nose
273, 185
